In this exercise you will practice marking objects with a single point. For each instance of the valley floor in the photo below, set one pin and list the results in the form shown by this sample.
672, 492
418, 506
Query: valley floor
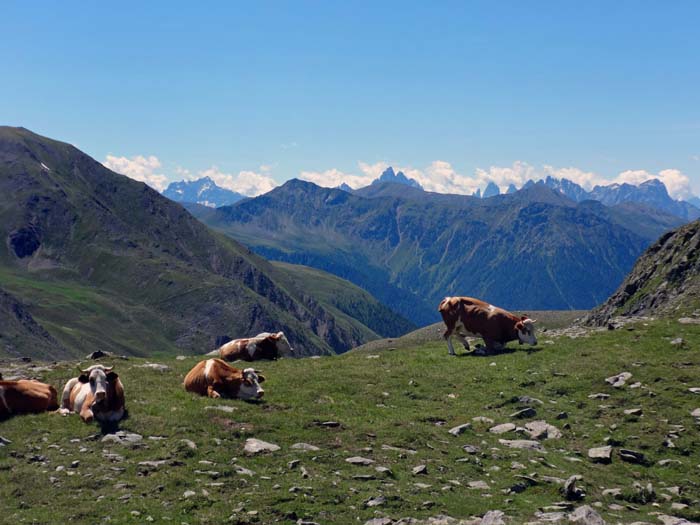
392, 408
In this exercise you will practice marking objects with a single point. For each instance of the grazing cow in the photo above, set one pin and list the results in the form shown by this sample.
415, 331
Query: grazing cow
262, 346
97, 393
216, 378
495, 325
25, 396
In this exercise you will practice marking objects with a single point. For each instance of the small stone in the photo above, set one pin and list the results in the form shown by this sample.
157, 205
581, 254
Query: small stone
482, 419
242, 471
359, 460
585, 515
156, 366
305, 447
493, 517
631, 456
379, 521
502, 428
189, 494
521, 443
330, 424
527, 400
678, 341
562, 415
694, 390
256, 446
542, 430
633, 412
420, 469
599, 395
480, 485
600, 454
123, 438
524, 413
384, 471
667, 462
75, 464
460, 429
619, 380
375, 502
189, 444
4, 441
293, 464
571, 491
470, 449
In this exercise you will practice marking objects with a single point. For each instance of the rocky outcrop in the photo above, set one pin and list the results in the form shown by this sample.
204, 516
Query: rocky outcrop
665, 277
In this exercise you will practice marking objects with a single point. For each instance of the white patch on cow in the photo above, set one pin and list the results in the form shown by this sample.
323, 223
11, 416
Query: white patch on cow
83, 391
207, 368
252, 390
251, 348
527, 335
491, 308
283, 346
3, 400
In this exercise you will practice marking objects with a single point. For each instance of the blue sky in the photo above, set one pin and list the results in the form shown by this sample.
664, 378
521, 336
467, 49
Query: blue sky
454, 93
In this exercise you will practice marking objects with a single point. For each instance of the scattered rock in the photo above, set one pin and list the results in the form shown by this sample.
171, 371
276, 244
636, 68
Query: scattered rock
689, 320
399, 449
4, 441
359, 460
189, 494
242, 471
667, 462
618, 380
420, 469
527, 400
542, 430
483, 419
615, 493
585, 515
189, 444
694, 390
521, 443
97, 354
384, 471
305, 447
256, 446
502, 428
493, 517
633, 412
123, 438
631, 456
600, 454
571, 491
379, 521
599, 395
524, 413
330, 424
678, 341
375, 502
460, 429
481, 485
694, 413
470, 449
562, 415
155, 366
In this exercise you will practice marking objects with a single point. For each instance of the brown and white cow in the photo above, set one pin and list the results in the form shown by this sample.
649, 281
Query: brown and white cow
262, 346
494, 325
216, 378
97, 393
26, 396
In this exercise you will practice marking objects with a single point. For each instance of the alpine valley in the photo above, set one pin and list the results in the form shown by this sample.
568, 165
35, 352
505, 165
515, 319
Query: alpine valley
94, 260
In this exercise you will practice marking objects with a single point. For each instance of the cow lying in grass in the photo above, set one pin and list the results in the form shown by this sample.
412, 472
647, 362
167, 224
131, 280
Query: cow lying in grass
216, 378
262, 346
97, 393
26, 396
494, 325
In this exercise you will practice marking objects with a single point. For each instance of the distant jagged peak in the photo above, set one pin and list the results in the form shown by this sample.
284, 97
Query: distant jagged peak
203, 191
388, 175
511, 189
344, 186
491, 190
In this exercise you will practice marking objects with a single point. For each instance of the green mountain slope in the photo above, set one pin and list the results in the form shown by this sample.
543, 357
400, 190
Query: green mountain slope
349, 303
666, 278
102, 261
534, 249
395, 408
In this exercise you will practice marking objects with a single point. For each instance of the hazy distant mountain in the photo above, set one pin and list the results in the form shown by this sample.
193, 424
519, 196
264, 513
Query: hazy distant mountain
491, 190
95, 260
201, 191
511, 189
532, 249
652, 192
388, 175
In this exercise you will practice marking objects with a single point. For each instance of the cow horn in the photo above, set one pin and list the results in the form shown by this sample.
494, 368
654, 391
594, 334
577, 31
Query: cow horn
109, 369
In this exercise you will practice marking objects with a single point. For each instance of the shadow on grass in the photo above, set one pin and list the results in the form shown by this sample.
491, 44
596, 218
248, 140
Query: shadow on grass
507, 350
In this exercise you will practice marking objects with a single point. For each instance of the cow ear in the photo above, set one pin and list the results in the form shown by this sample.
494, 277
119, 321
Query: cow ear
111, 376
84, 378
278, 335
261, 378
519, 326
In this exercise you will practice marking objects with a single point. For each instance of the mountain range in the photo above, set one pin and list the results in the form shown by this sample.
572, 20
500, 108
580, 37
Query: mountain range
95, 260
534, 248
202, 191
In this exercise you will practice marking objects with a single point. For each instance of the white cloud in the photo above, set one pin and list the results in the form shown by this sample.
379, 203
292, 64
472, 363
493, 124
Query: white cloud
138, 168
249, 183
586, 179
334, 177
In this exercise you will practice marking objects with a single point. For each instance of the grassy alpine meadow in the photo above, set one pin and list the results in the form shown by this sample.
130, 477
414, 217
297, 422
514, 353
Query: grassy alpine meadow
394, 407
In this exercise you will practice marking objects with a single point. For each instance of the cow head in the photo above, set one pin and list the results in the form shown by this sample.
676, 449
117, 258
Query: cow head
283, 347
526, 331
250, 385
99, 377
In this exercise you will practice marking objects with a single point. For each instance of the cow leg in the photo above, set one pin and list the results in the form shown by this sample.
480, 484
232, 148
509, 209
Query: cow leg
65, 398
212, 393
463, 340
450, 347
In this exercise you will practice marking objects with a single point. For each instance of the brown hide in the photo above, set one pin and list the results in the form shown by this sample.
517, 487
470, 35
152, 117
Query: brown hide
25, 396
222, 379
493, 324
264, 348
